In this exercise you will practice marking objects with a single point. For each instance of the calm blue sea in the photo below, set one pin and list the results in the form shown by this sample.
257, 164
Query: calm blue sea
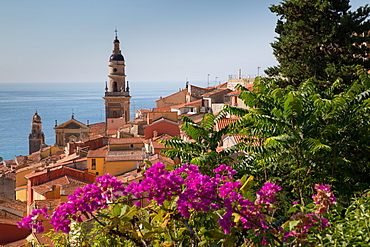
57, 101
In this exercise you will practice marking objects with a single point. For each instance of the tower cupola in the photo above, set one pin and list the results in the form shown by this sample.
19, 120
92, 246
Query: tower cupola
116, 53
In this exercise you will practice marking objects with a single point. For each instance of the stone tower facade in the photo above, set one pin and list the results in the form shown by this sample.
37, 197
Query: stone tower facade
117, 95
36, 139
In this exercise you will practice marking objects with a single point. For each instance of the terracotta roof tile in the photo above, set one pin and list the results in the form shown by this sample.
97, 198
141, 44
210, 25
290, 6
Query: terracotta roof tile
130, 176
97, 129
162, 137
234, 93
58, 183
162, 109
131, 140
133, 157
219, 90
161, 158
189, 104
222, 123
222, 85
98, 153
6, 202
144, 110
49, 203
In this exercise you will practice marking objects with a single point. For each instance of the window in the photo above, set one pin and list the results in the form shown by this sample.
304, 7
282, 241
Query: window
93, 164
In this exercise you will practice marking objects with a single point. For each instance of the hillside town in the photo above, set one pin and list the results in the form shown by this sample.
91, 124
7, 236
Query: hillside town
119, 146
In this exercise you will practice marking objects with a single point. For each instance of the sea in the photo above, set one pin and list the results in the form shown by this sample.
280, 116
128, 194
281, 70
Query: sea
57, 102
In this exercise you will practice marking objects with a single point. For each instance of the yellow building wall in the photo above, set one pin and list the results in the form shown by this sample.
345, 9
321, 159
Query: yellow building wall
117, 168
99, 171
52, 151
20, 180
21, 194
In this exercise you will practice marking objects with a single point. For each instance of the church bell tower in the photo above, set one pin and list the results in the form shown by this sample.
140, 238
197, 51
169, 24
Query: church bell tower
117, 95
36, 139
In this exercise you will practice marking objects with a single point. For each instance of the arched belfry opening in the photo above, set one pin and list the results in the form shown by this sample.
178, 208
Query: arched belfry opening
115, 87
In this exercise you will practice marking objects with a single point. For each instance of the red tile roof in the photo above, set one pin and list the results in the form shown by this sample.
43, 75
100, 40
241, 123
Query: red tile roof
234, 93
130, 176
192, 103
130, 140
49, 203
161, 158
144, 110
222, 123
162, 109
114, 158
6, 202
57, 183
98, 153
215, 92
162, 137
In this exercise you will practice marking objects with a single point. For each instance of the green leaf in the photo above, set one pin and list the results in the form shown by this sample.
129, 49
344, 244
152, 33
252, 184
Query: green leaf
292, 210
293, 224
117, 209
247, 185
146, 224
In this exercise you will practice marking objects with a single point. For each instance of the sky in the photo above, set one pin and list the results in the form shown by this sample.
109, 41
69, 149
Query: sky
199, 41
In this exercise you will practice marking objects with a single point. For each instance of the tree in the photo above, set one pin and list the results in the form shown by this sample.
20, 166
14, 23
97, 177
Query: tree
306, 136
203, 150
320, 39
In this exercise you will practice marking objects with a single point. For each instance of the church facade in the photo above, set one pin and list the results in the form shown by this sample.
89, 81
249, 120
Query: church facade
70, 131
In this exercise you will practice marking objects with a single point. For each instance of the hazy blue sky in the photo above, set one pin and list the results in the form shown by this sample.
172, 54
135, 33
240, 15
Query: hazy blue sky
162, 40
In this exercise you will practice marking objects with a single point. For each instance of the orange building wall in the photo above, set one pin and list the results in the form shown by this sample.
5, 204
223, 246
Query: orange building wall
162, 128
11, 233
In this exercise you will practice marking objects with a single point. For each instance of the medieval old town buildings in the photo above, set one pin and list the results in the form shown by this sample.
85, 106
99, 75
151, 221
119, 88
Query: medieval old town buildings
120, 146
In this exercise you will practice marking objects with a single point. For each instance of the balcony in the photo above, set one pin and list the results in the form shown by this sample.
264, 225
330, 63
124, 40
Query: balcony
117, 94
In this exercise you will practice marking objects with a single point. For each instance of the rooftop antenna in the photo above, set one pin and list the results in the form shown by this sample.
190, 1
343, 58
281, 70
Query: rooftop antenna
208, 80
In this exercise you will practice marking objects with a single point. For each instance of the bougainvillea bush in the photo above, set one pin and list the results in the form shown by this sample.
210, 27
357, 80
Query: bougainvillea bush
183, 207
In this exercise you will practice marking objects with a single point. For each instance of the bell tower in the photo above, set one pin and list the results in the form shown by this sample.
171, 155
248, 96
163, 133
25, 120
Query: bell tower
36, 139
117, 95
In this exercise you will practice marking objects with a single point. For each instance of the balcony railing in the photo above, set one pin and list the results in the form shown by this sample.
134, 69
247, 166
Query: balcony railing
116, 94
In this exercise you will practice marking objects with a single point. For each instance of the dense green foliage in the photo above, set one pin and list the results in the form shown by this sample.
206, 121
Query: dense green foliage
306, 136
203, 151
319, 39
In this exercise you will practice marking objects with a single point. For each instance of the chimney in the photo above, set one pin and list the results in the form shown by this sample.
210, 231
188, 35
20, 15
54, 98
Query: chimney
48, 173
155, 133
86, 173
